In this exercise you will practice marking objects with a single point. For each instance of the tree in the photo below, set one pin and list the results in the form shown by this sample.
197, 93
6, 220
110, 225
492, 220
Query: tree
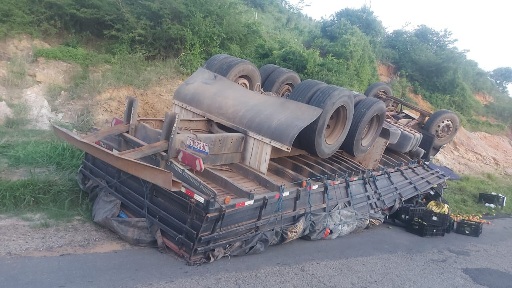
502, 76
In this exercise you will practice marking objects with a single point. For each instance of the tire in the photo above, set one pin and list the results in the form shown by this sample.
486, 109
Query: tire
212, 63
369, 116
281, 82
240, 71
444, 124
377, 89
324, 136
305, 90
380, 90
266, 70
358, 97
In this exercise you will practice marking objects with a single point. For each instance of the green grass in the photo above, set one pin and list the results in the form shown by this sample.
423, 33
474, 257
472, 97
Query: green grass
474, 124
76, 55
463, 194
124, 70
55, 194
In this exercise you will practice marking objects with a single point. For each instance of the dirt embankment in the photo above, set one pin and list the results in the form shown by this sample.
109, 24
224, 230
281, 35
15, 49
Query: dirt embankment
40, 85
475, 153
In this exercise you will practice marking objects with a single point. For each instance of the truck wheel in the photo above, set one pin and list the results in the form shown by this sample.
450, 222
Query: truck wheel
369, 115
281, 82
240, 71
358, 97
212, 63
266, 70
377, 89
380, 90
305, 90
444, 124
324, 136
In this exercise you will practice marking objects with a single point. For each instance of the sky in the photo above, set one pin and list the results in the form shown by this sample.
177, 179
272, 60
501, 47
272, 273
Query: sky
482, 27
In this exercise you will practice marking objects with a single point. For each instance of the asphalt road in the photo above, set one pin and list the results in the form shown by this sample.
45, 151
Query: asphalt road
379, 257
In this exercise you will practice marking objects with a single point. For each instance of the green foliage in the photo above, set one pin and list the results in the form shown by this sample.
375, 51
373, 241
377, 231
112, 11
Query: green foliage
365, 20
463, 194
502, 76
55, 194
475, 124
15, 17
76, 55
351, 60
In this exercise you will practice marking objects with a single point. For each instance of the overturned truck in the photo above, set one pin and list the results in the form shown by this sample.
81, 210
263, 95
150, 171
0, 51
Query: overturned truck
255, 157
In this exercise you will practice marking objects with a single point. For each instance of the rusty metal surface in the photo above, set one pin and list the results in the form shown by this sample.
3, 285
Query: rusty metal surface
142, 170
217, 98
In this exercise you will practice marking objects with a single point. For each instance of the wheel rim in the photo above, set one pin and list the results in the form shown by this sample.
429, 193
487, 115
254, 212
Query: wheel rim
243, 82
335, 125
369, 130
444, 129
284, 91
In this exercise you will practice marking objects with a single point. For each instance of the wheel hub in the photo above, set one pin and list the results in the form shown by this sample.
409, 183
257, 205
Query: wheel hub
243, 82
284, 91
335, 125
444, 129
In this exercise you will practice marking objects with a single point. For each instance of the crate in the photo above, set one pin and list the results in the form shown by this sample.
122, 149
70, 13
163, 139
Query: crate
492, 198
406, 214
424, 230
435, 219
469, 228
451, 226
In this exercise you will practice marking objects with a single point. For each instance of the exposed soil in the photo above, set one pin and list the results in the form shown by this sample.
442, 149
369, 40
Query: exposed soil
153, 102
473, 153
420, 102
483, 98
36, 237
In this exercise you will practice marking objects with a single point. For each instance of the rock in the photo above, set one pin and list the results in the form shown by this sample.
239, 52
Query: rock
39, 111
5, 112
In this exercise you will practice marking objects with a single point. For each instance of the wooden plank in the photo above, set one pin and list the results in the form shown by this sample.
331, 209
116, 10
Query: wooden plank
257, 154
226, 183
100, 134
255, 176
145, 150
